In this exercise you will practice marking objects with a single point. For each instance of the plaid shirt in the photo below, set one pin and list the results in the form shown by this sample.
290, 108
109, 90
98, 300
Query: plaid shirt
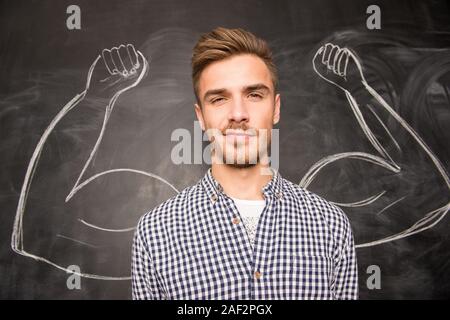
194, 246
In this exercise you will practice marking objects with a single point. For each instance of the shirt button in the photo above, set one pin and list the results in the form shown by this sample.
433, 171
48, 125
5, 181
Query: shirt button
236, 220
257, 275
214, 198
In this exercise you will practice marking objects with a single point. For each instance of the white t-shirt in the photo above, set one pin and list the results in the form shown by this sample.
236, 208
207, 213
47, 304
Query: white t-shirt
250, 211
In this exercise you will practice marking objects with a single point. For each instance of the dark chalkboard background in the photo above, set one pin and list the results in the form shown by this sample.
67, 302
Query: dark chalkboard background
43, 65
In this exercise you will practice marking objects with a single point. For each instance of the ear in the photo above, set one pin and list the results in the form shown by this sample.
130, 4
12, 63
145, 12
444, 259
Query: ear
276, 113
199, 113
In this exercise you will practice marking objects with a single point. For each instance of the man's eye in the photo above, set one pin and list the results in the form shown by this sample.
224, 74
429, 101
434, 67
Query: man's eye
255, 95
216, 100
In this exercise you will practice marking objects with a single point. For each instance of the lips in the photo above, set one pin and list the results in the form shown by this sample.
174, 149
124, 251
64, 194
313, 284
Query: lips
239, 137
238, 133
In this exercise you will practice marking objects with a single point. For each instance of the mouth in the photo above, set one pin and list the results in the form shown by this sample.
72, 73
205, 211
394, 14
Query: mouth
240, 133
239, 137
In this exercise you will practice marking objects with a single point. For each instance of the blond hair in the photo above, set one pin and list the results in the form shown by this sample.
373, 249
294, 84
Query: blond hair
222, 43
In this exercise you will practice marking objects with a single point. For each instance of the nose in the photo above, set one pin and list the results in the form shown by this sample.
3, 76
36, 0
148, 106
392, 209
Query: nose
238, 112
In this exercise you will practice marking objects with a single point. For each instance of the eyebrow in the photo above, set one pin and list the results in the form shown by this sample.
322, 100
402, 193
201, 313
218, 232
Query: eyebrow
253, 87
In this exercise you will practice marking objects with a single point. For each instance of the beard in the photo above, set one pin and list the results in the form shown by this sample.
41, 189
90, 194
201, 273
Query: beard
242, 152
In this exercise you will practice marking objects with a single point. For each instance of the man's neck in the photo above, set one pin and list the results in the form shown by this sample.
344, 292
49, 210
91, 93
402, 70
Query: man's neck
241, 183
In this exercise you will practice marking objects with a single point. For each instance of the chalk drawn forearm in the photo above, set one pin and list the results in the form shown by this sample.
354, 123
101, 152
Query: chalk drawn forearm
333, 64
112, 73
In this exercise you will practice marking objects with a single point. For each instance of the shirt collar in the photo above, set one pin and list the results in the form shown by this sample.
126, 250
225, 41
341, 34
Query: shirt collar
213, 188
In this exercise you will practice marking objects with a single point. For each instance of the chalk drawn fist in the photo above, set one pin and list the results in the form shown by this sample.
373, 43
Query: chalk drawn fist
115, 71
339, 66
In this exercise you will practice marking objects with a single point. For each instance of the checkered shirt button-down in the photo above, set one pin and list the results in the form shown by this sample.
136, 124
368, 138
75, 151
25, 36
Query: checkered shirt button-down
189, 248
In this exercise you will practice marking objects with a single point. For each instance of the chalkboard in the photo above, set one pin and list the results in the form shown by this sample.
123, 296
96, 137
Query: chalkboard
76, 173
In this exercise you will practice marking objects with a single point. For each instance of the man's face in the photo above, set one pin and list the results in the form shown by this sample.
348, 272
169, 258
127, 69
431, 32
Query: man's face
239, 108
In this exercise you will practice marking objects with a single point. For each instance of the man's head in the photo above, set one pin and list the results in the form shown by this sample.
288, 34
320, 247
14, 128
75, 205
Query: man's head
235, 83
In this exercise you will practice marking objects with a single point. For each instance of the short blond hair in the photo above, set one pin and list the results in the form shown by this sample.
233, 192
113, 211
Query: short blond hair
222, 43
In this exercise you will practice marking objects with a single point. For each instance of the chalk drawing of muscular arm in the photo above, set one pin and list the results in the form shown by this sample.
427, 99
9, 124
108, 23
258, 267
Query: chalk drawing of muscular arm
113, 72
341, 68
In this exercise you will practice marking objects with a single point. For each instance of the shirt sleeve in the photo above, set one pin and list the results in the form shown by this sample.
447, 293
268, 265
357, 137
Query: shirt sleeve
143, 276
346, 283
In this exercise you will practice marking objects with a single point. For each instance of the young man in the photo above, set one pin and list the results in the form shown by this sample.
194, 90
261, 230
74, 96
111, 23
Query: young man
241, 233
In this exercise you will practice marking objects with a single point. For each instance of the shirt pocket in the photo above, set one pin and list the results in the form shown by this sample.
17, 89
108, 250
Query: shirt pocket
311, 275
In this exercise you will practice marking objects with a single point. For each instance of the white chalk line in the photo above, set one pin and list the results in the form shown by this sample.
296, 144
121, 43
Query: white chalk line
360, 203
390, 205
105, 229
384, 127
77, 241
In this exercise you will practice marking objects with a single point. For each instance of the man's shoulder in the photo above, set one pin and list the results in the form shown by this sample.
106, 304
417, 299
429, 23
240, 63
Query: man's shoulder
168, 208
316, 204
